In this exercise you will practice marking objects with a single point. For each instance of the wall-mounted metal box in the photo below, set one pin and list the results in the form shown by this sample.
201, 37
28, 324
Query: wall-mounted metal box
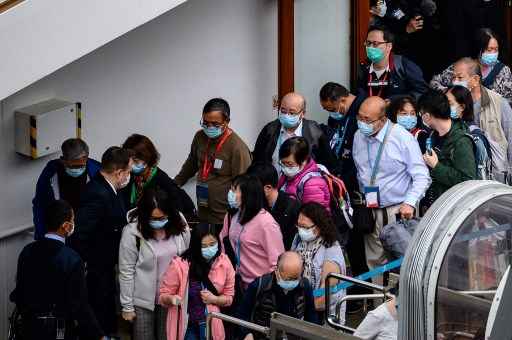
41, 128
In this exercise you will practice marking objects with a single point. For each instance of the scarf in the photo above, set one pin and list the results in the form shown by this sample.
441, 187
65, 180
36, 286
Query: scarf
140, 182
308, 250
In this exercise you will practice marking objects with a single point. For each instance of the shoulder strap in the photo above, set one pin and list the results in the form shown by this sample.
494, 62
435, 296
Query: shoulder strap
491, 77
302, 183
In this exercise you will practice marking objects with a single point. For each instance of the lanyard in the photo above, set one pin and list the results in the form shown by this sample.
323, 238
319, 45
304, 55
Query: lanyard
339, 142
238, 246
381, 88
208, 161
375, 167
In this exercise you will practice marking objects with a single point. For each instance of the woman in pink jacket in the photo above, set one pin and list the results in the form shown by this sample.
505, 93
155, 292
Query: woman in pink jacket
199, 282
301, 175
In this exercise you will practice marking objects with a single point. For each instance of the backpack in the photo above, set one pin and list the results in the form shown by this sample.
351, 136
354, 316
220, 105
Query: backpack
341, 210
483, 153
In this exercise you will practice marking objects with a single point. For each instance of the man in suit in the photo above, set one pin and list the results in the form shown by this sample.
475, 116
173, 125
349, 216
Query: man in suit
100, 221
291, 123
50, 291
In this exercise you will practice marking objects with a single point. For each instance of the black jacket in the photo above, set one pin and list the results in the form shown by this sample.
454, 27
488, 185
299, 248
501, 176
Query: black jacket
50, 273
405, 78
345, 167
179, 197
286, 212
311, 131
99, 223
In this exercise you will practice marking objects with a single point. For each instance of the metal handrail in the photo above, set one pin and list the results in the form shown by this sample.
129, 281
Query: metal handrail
15, 231
233, 320
328, 317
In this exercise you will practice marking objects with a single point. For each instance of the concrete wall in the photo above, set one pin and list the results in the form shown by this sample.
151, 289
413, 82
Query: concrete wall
322, 48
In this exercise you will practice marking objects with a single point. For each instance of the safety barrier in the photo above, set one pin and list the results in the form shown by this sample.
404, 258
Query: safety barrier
235, 321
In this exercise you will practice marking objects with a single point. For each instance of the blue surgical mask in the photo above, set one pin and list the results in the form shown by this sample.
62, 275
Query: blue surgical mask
489, 59
336, 115
463, 83
138, 168
375, 54
365, 128
233, 204
307, 235
289, 121
158, 224
407, 121
212, 131
75, 172
290, 171
209, 252
453, 112
288, 285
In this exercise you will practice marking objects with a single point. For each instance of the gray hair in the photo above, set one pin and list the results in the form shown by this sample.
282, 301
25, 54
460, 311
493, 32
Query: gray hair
74, 148
474, 68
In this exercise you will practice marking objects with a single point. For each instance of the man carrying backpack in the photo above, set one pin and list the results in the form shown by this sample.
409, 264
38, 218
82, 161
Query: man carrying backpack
452, 156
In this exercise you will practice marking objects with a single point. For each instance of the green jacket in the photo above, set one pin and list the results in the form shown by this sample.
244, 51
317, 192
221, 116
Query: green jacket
456, 160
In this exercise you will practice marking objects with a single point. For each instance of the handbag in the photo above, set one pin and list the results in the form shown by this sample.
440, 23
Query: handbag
362, 216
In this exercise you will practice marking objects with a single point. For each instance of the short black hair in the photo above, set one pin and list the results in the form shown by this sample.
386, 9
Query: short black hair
74, 148
333, 91
463, 96
435, 103
115, 158
218, 104
388, 36
57, 213
296, 146
482, 38
265, 172
252, 196
398, 104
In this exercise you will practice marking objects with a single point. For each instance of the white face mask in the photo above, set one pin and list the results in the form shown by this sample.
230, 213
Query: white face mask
290, 172
72, 230
125, 183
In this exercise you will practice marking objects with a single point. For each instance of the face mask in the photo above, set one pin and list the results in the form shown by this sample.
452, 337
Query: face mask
125, 183
463, 83
288, 285
307, 235
75, 172
425, 123
375, 54
408, 122
336, 115
138, 168
365, 128
489, 59
290, 172
158, 224
72, 230
383, 8
232, 200
209, 252
453, 112
212, 131
289, 121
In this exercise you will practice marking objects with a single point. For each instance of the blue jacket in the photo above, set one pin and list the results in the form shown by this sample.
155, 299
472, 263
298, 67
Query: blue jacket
47, 191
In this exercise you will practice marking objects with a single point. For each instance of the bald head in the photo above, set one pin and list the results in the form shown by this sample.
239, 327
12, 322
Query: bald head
293, 102
289, 265
373, 112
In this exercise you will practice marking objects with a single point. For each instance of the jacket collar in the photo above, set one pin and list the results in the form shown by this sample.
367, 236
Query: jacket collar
485, 100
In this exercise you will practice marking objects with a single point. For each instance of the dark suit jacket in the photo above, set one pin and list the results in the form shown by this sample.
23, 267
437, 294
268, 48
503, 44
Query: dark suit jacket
99, 223
50, 273
311, 131
286, 212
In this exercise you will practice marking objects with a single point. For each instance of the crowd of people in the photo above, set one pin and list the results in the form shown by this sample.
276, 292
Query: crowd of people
269, 226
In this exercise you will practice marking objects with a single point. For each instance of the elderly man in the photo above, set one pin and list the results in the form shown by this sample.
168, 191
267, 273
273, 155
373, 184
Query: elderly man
283, 291
217, 155
63, 178
291, 123
390, 170
492, 112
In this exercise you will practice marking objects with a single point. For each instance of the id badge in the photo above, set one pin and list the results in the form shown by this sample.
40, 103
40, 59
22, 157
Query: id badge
202, 194
372, 197
217, 164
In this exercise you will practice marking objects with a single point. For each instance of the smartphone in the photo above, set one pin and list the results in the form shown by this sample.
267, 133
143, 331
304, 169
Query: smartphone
428, 146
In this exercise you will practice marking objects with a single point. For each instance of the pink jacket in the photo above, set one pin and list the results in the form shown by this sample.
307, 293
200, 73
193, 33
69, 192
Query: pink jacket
175, 282
315, 189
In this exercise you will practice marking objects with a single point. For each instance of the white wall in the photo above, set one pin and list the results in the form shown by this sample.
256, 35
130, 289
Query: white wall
39, 37
322, 48
155, 81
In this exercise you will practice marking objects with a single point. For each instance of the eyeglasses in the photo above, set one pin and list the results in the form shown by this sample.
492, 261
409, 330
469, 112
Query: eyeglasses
370, 122
206, 124
290, 113
369, 43
306, 227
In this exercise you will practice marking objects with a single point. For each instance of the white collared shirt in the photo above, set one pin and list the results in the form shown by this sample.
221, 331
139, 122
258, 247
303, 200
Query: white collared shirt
283, 136
55, 237
111, 185
402, 175
380, 72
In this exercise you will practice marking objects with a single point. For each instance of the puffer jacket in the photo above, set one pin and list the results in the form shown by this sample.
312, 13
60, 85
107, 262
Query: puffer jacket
315, 189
